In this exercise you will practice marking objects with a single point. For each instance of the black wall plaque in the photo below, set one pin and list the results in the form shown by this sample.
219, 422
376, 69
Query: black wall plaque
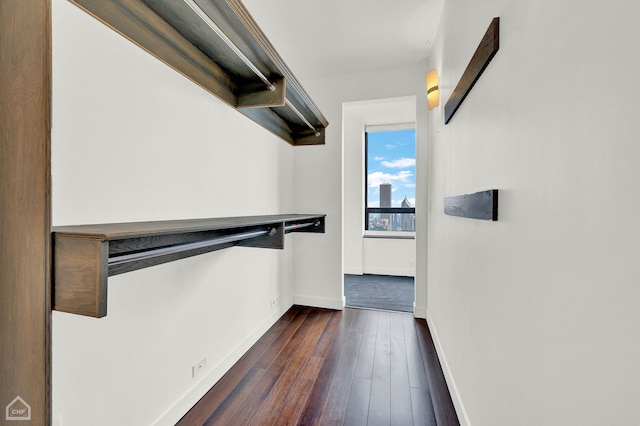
481, 205
485, 52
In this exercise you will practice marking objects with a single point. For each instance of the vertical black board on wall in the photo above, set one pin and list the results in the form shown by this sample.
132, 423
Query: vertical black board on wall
485, 52
480, 205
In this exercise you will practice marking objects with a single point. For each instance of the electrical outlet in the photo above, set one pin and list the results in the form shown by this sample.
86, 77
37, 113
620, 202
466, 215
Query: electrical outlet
198, 368
275, 301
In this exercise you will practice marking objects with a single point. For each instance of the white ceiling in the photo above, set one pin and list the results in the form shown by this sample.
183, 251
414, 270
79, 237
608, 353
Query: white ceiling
331, 37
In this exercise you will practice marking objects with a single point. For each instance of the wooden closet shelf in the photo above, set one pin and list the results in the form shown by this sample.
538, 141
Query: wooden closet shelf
218, 45
86, 255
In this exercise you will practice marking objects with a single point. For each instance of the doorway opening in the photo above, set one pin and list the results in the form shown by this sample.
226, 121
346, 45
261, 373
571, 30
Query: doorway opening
379, 187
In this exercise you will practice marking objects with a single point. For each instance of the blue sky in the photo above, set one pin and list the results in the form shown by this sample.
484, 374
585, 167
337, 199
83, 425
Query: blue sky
392, 159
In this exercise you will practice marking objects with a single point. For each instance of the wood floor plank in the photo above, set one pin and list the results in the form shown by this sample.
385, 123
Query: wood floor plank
401, 412
364, 365
358, 405
271, 406
336, 403
441, 399
415, 364
423, 413
397, 326
327, 343
384, 326
283, 339
291, 313
303, 372
233, 403
212, 399
331, 351
242, 407
297, 398
360, 321
380, 403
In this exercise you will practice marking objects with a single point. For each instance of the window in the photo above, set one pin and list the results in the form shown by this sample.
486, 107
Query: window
390, 178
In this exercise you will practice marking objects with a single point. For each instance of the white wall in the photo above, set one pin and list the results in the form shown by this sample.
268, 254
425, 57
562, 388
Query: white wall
318, 270
370, 255
389, 256
536, 315
135, 141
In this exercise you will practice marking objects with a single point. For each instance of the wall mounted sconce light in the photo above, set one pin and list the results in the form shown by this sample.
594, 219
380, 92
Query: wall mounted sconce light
433, 93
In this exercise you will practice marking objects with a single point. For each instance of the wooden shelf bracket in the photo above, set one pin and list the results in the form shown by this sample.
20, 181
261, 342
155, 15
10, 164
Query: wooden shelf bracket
218, 45
86, 255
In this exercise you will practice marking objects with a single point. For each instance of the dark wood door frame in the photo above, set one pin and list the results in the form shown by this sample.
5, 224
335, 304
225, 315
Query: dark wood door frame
25, 210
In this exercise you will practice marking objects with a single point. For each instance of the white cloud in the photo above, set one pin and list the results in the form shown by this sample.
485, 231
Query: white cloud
376, 178
378, 158
402, 162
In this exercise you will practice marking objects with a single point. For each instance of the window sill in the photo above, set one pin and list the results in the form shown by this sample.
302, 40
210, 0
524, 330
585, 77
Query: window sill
397, 235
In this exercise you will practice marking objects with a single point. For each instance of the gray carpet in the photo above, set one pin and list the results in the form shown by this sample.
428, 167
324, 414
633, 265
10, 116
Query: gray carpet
379, 292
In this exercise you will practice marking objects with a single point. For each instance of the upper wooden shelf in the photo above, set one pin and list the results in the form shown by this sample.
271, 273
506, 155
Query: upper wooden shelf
84, 256
182, 34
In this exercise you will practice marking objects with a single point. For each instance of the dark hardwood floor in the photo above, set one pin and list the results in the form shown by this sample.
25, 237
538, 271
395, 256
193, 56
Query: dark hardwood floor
323, 367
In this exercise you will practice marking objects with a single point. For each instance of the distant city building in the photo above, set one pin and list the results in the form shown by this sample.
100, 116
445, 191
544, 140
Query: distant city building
385, 195
385, 201
408, 220
395, 221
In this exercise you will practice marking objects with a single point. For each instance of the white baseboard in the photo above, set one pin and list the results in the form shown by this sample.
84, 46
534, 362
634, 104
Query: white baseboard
419, 311
319, 302
353, 271
463, 418
401, 272
189, 399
